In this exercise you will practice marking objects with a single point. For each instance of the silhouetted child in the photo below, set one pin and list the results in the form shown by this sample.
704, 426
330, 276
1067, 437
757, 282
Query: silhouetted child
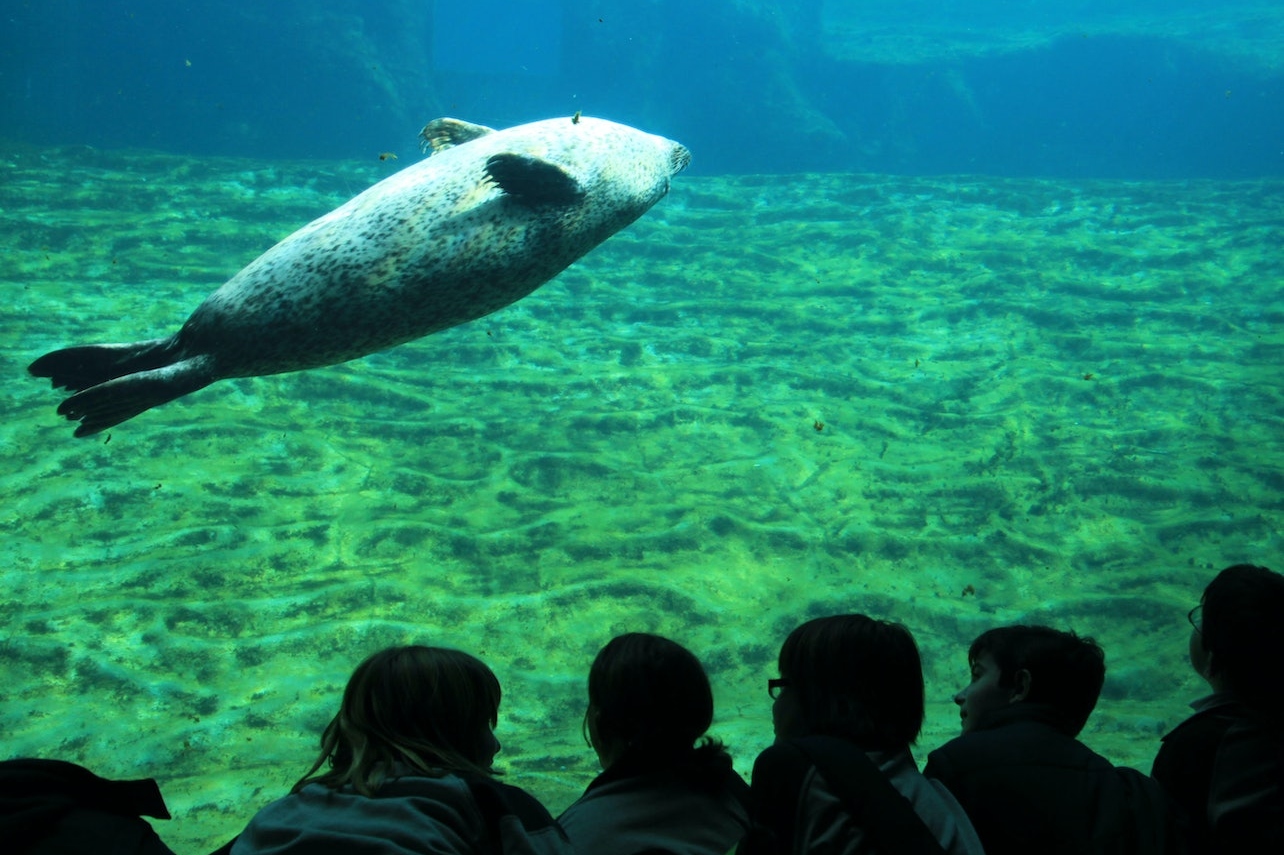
1225, 764
1025, 780
405, 768
665, 786
840, 777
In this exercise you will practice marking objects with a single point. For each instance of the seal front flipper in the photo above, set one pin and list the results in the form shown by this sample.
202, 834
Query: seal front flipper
108, 404
441, 134
533, 181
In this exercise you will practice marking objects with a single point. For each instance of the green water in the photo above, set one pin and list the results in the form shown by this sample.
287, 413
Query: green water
1041, 401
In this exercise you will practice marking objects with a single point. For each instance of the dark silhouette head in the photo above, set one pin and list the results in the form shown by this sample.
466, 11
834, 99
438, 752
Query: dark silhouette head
1242, 627
854, 677
647, 694
429, 709
1061, 669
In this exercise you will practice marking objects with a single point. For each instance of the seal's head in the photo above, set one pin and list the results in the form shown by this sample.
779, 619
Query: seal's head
639, 163
618, 172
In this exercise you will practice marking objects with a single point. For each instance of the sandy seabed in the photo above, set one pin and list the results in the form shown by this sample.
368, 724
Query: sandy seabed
952, 402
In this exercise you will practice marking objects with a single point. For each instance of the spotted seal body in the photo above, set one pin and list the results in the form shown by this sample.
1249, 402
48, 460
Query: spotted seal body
483, 222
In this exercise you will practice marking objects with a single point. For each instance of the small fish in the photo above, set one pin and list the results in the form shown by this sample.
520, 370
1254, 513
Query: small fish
387, 155
575, 120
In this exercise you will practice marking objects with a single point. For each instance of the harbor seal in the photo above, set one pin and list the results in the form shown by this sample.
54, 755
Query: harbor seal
484, 221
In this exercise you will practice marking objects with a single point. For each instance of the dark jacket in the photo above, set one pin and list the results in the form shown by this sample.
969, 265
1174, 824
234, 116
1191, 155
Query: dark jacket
1030, 787
51, 806
1246, 800
823, 794
1184, 764
646, 804
1225, 767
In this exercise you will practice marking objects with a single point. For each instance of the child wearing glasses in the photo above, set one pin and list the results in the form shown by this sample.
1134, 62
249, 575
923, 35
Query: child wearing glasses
1224, 764
840, 777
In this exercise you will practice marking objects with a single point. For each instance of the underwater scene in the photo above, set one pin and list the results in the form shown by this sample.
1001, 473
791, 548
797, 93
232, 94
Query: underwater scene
951, 391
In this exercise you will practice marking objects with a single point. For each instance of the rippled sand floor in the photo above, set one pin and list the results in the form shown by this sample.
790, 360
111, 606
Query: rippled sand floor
1041, 401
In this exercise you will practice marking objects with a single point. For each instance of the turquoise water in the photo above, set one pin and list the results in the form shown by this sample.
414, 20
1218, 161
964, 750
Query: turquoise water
954, 402
1077, 88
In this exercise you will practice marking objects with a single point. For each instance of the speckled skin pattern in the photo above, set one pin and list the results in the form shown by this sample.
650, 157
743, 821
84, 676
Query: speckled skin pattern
434, 245
487, 219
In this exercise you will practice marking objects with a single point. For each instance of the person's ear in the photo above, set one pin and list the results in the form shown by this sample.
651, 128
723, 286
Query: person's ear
1020, 686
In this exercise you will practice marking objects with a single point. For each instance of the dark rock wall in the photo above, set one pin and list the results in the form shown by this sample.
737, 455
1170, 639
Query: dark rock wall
748, 86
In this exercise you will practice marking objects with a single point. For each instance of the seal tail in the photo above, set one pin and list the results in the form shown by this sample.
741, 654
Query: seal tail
115, 382
78, 368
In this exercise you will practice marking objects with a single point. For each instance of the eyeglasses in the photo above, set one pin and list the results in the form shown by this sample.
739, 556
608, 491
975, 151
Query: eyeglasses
1196, 618
774, 686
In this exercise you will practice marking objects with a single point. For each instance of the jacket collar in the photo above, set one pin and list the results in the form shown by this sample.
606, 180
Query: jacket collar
1044, 714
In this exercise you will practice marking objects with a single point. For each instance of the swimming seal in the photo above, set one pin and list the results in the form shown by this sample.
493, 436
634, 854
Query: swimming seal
481, 223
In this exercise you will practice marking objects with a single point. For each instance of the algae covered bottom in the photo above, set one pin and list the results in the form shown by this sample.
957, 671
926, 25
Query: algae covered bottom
953, 402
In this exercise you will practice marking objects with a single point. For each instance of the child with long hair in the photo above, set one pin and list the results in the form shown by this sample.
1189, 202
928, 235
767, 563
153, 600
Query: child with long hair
405, 769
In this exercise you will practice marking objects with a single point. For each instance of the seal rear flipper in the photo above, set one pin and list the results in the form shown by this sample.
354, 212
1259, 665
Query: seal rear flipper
441, 134
108, 404
533, 181
78, 368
